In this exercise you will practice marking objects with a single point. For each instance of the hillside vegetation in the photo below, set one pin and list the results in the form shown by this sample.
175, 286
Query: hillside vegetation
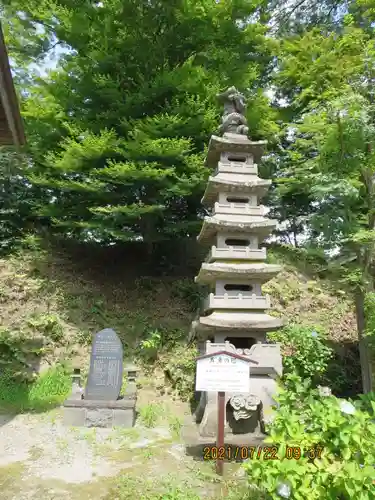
55, 296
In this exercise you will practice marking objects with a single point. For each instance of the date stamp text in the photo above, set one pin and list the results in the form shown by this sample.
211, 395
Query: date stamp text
230, 452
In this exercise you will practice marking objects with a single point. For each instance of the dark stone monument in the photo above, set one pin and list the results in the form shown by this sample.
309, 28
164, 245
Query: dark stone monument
106, 367
101, 405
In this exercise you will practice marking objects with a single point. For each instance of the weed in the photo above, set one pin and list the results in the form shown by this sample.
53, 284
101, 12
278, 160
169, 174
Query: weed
125, 434
148, 453
36, 452
84, 337
175, 425
150, 346
62, 444
97, 307
150, 414
90, 436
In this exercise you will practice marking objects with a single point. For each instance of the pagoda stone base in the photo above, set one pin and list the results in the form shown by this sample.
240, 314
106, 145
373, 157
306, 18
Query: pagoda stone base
245, 413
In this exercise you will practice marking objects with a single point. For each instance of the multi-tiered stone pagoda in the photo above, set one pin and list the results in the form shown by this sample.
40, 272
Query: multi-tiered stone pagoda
234, 315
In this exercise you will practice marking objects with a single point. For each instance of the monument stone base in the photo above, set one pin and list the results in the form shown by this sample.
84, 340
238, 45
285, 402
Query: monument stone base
91, 413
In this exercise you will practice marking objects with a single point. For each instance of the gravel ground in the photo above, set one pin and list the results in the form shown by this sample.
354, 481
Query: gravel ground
51, 451
44, 452
40, 459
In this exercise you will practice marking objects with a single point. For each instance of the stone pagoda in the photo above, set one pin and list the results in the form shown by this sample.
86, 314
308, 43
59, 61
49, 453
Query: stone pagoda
234, 315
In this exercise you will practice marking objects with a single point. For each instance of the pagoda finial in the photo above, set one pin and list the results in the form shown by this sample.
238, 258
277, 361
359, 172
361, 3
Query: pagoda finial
233, 120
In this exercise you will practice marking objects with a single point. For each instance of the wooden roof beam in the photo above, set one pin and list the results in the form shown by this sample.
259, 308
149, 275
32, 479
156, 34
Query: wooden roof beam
11, 125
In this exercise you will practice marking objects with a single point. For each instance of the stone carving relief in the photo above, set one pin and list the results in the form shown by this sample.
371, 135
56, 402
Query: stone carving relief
244, 405
233, 120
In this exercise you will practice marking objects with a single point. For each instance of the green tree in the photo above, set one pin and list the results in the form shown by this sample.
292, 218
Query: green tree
313, 67
324, 164
341, 176
117, 132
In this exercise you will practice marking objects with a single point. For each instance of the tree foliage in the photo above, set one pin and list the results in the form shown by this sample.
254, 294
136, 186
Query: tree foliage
117, 132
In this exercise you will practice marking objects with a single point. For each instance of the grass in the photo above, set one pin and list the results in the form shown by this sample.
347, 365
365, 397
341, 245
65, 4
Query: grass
173, 487
9, 472
168, 486
151, 413
175, 425
128, 488
47, 391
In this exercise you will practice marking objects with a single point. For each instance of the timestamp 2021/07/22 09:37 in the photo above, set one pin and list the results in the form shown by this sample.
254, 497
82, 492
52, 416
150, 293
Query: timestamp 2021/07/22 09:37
260, 452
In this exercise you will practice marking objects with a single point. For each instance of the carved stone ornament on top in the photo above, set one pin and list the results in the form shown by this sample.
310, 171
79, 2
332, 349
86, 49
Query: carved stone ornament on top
233, 120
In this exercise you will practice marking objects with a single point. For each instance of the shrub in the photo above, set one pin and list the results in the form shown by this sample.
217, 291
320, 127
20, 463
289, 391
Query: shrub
179, 368
17, 352
343, 374
47, 391
336, 441
304, 351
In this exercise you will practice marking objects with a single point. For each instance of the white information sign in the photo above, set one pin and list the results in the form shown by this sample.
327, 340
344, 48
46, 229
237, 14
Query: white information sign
222, 373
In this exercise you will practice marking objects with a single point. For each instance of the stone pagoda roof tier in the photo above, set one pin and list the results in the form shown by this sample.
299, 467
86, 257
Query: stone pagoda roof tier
260, 226
233, 143
234, 183
232, 321
260, 272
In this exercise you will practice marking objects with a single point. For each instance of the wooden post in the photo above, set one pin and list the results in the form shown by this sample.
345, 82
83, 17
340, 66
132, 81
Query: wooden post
220, 431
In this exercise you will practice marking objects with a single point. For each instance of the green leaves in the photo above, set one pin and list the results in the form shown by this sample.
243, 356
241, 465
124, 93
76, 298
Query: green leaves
343, 444
15, 200
117, 131
305, 353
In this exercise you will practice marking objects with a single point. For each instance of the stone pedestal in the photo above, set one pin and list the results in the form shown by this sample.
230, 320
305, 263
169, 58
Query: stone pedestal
90, 413
80, 412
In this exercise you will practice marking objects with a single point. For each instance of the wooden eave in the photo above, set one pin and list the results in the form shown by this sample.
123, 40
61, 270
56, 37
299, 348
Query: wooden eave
11, 125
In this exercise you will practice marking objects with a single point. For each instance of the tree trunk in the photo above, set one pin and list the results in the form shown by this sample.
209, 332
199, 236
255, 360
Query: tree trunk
147, 231
365, 257
364, 348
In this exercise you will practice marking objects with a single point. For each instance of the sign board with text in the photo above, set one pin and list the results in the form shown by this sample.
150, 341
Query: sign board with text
223, 372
